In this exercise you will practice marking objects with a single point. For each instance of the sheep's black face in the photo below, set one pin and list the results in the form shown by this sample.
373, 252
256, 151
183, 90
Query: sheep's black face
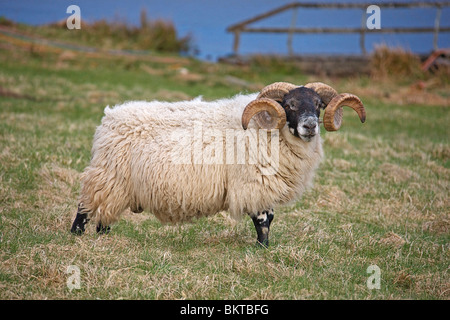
302, 106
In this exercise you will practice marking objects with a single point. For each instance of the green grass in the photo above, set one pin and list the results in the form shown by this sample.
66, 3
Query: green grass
380, 196
150, 36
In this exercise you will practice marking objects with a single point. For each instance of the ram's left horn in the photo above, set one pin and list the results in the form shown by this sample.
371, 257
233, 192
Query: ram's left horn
332, 118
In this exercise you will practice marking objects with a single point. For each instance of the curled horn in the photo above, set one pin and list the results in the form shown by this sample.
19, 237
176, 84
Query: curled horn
332, 118
266, 109
276, 91
325, 92
274, 118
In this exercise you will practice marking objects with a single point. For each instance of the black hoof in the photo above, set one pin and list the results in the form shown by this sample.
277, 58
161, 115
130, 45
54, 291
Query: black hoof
78, 231
262, 244
78, 224
102, 229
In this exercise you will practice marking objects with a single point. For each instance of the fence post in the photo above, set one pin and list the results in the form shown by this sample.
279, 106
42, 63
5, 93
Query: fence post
437, 21
291, 31
362, 34
237, 35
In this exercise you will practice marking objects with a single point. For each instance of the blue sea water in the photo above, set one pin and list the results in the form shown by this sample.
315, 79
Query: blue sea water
206, 22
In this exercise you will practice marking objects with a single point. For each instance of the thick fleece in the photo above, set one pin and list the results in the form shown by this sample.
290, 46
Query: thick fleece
145, 156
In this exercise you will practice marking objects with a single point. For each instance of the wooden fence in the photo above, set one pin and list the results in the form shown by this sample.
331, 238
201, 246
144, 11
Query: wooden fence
243, 26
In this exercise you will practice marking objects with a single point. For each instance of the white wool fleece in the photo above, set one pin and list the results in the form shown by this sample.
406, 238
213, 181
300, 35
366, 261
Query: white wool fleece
134, 163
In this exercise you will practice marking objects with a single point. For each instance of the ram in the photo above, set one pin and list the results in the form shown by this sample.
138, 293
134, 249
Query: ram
188, 159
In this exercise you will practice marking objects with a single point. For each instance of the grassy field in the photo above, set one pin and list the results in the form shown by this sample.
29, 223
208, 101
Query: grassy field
381, 196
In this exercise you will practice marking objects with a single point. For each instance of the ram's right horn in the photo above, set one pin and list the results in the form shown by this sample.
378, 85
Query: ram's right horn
267, 109
271, 114
276, 90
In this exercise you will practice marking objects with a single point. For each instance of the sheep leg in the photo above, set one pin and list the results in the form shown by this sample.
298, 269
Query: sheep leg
262, 221
80, 220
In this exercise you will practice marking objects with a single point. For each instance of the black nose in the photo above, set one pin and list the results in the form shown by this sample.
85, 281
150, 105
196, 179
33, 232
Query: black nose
309, 125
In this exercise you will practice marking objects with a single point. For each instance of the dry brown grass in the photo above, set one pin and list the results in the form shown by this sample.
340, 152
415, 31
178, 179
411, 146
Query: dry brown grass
394, 62
380, 196
396, 77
